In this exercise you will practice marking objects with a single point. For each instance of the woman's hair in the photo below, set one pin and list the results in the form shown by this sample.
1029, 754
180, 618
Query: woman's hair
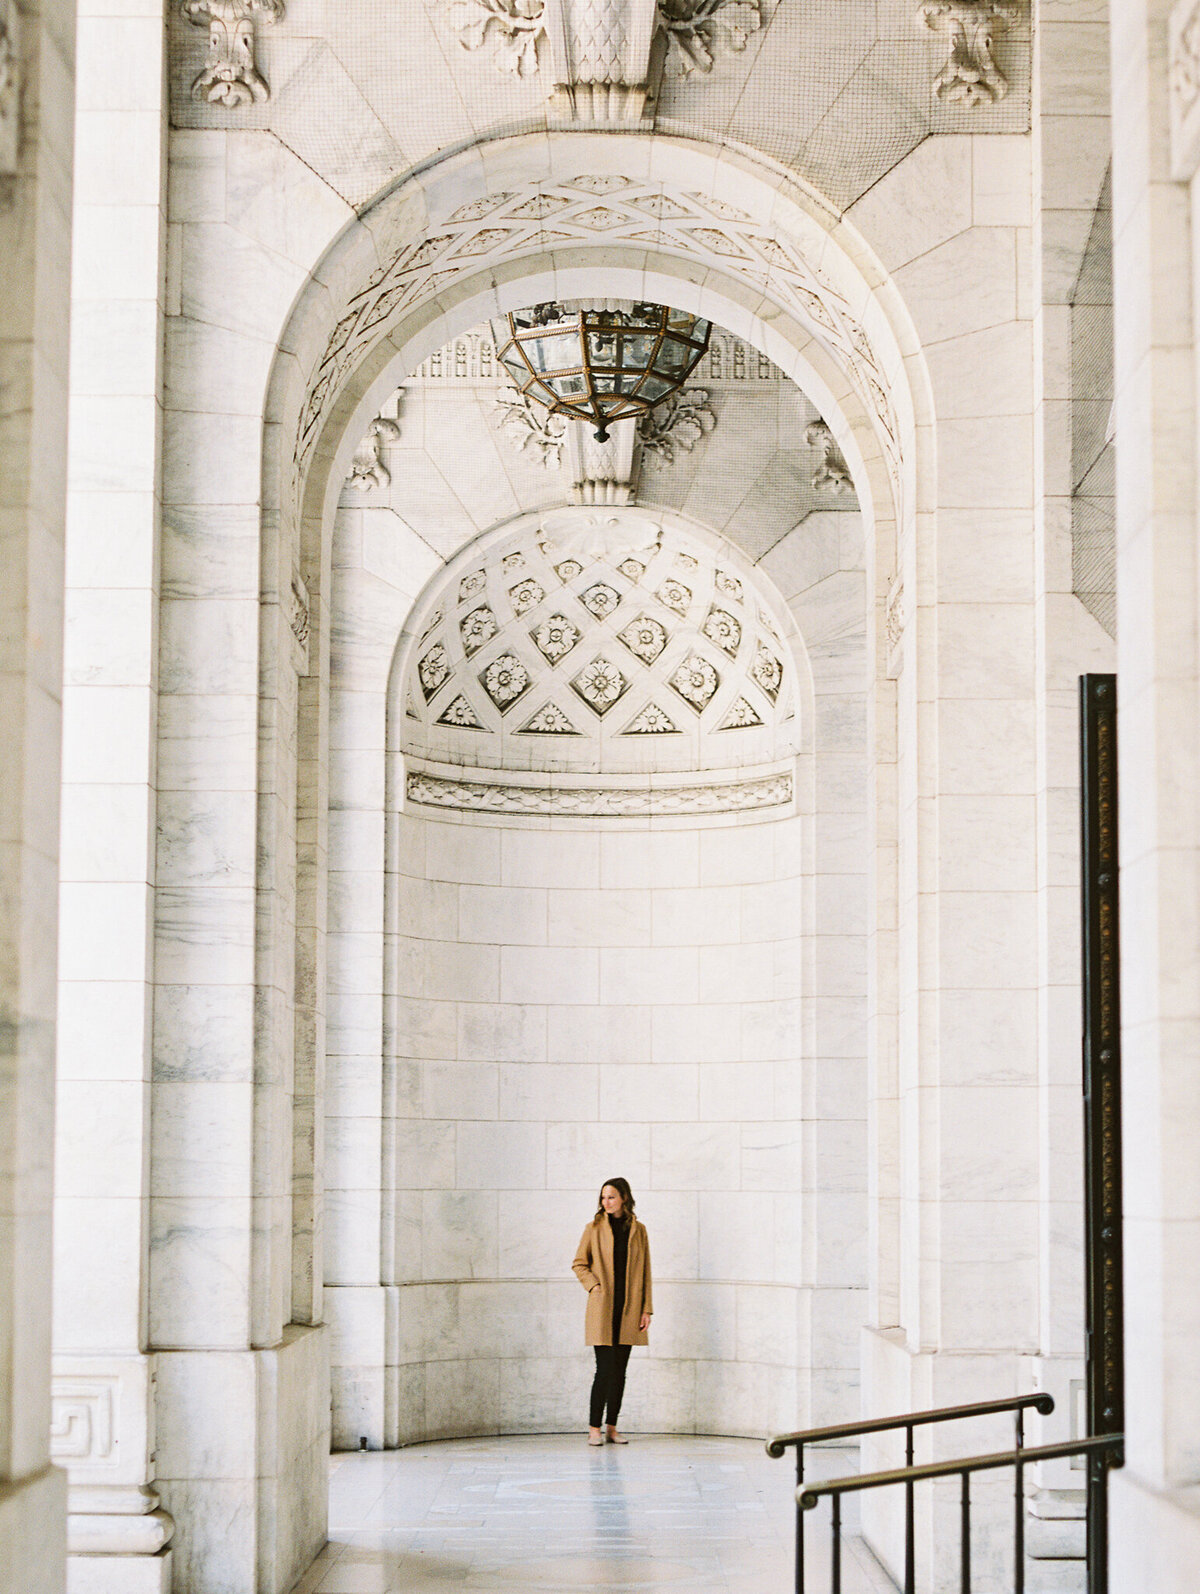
621, 1186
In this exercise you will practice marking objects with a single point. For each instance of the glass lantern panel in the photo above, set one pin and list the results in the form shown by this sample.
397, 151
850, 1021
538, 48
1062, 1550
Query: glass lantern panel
654, 387
673, 358
606, 382
552, 354
602, 348
570, 386
638, 350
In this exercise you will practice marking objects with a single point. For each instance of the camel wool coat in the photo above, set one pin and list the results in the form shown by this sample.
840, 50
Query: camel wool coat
593, 1267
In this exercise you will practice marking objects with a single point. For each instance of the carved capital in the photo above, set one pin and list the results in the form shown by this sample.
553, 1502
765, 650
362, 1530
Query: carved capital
230, 75
10, 87
600, 54
970, 76
367, 470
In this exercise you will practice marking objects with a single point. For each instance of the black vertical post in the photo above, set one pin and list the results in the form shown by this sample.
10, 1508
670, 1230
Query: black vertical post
799, 1520
1101, 1095
965, 1532
835, 1583
910, 1575
1019, 1511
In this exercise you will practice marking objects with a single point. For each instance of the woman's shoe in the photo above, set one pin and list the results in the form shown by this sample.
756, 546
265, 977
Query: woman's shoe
595, 1437
615, 1438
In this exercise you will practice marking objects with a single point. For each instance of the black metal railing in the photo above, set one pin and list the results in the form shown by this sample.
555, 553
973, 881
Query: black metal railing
776, 1446
1104, 1451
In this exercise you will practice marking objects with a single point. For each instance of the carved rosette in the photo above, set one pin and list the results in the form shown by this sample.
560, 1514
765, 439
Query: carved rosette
230, 74
970, 76
10, 88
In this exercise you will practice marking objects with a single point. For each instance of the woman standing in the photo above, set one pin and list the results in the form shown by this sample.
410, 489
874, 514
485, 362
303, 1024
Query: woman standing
613, 1265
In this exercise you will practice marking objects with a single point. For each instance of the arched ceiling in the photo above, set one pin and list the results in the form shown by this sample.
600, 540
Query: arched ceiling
600, 641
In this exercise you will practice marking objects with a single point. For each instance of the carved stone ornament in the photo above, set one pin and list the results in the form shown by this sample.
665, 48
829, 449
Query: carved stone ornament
532, 427
598, 40
676, 425
230, 75
512, 27
10, 88
893, 627
832, 473
1185, 89
694, 28
970, 76
367, 470
585, 534
504, 797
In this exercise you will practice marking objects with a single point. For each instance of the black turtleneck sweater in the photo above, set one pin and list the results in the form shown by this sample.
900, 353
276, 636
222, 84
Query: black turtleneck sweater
620, 1234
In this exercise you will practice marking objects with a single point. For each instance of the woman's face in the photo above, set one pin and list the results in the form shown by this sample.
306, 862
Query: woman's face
610, 1200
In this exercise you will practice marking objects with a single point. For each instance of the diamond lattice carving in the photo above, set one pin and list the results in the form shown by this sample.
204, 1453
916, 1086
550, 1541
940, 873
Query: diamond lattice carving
526, 595
505, 680
696, 681
652, 721
477, 628
600, 684
721, 627
555, 637
742, 716
645, 638
433, 670
767, 671
460, 713
550, 721
600, 600
675, 595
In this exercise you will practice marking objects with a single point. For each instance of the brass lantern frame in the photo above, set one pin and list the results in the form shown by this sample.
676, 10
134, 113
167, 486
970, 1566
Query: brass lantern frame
600, 363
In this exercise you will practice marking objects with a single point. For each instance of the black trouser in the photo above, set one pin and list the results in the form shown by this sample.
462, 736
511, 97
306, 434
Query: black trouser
608, 1386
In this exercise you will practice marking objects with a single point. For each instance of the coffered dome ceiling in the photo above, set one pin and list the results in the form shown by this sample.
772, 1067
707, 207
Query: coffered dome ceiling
600, 641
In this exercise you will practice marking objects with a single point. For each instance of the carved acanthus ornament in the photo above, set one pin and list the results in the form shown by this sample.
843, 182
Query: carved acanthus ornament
230, 75
893, 626
970, 76
677, 424
694, 28
601, 49
10, 88
512, 27
367, 470
532, 427
832, 473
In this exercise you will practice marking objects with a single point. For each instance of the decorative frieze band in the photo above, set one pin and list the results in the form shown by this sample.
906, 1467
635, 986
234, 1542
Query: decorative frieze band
599, 802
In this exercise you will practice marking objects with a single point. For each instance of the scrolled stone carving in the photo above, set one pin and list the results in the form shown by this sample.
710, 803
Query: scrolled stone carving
10, 88
367, 470
532, 427
514, 28
677, 424
832, 473
230, 74
970, 76
693, 29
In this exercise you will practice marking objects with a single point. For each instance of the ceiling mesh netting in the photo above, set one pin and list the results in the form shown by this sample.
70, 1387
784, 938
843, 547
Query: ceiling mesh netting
1093, 453
839, 90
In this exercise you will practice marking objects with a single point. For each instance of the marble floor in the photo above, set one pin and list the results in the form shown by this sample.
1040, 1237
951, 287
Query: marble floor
546, 1514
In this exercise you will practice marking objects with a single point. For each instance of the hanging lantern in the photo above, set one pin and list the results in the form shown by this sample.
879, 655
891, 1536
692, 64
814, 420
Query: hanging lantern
600, 362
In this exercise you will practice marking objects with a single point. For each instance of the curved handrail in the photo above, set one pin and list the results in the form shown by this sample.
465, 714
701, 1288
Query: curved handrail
778, 1443
809, 1494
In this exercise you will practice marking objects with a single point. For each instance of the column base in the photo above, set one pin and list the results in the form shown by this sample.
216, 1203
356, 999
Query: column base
119, 1574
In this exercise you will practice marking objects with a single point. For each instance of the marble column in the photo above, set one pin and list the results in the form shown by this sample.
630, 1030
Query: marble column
37, 38
1156, 1497
103, 1398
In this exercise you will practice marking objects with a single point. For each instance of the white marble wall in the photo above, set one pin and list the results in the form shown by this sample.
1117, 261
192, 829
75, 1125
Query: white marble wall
35, 247
1156, 1523
104, 1378
573, 1004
